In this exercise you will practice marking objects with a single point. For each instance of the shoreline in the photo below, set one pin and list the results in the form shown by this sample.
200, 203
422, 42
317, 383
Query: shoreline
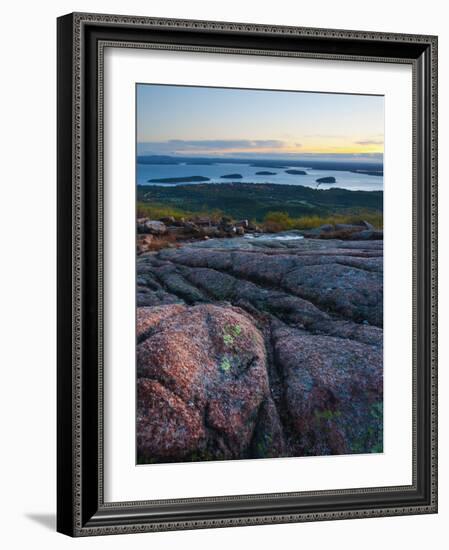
196, 180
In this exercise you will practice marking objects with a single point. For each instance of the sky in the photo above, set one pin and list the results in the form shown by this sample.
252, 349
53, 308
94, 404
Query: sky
191, 120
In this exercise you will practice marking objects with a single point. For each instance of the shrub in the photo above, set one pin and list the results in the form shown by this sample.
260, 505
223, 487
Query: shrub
277, 221
310, 222
156, 211
281, 221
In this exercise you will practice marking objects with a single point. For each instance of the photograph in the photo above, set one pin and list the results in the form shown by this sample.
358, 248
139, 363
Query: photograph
238, 314
246, 273
259, 273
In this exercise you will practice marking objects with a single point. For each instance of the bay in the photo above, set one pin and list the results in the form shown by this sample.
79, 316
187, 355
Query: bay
344, 179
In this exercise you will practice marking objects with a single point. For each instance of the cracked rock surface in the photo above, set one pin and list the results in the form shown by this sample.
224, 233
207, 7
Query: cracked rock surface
252, 348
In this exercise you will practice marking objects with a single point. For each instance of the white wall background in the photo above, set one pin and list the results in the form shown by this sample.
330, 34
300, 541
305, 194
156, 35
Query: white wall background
27, 273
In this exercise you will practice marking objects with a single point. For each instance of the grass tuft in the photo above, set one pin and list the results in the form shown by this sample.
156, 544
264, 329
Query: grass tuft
155, 211
281, 221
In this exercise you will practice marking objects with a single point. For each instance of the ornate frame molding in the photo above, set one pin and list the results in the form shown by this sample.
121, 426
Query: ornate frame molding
74, 504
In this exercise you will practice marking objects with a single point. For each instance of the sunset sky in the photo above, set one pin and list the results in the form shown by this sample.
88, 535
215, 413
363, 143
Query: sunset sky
183, 120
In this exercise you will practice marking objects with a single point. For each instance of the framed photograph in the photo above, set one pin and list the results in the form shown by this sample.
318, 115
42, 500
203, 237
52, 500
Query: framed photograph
247, 246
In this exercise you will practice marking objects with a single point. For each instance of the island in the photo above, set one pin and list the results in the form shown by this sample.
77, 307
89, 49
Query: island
368, 172
328, 179
269, 164
232, 176
157, 159
296, 172
200, 162
265, 173
185, 179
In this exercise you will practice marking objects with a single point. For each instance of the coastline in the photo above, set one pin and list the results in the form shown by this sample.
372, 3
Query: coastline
346, 177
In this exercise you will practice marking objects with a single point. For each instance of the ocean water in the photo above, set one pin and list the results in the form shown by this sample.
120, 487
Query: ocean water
346, 180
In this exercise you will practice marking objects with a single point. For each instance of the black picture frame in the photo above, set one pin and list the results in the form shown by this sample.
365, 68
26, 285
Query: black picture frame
81, 510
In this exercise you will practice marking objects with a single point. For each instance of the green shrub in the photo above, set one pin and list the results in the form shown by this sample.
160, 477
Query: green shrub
277, 221
281, 221
155, 211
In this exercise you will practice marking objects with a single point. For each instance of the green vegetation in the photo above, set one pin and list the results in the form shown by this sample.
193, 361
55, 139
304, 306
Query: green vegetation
228, 340
373, 437
263, 447
281, 221
326, 414
305, 207
156, 211
230, 333
200, 456
225, 365
278, 221
273, 221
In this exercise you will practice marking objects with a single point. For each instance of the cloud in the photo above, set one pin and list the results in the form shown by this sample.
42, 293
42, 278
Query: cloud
205, 145
325, 136
370, 142
226, 143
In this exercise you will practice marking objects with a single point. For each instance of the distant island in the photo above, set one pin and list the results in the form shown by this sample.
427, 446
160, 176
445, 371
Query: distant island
368, 172
320, 162
232, 176
329, 179
268, 164
200, 163
265, 173
296, 172
186, 179
157, 159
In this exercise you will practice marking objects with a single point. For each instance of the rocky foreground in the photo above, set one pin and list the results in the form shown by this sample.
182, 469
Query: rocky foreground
258, 348
167, 232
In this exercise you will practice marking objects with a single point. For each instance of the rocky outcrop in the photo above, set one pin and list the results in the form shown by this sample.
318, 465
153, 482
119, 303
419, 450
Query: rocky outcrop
332, 393
153, 227
171, 230
144, 243
203, 389
360, 226
359, 231
168, 231
259, 348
